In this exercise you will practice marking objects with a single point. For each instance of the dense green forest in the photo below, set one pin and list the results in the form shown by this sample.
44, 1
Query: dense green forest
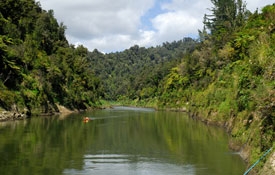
225, 77
136, 73
38, 67
229, 78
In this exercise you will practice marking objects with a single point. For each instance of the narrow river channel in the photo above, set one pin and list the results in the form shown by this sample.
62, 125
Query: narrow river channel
118, 141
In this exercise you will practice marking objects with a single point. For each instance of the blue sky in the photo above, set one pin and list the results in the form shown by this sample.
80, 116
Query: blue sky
110, 26
152, 13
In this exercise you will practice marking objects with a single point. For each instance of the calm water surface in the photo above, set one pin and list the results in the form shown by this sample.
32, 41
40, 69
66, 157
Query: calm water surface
119, 141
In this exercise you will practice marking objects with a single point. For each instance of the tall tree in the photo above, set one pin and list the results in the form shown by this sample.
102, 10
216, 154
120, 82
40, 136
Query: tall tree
226, 17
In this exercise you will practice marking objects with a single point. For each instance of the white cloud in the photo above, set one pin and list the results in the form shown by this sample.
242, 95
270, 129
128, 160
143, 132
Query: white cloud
99, 23
252, 5
110, 25
175, 25
181, 19
195, 8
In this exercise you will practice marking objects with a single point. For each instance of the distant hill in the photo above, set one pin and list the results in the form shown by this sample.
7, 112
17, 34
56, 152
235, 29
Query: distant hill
136, 73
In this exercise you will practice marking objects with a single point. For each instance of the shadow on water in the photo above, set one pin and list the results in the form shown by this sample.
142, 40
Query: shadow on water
121, 141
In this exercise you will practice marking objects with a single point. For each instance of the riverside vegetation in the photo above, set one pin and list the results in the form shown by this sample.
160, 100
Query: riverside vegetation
38, 68
226, 77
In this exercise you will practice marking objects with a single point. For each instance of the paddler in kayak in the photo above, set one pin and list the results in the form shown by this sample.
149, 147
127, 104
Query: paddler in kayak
86, 119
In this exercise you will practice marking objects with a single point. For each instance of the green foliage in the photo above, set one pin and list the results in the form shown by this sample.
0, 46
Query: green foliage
226, 17
38, 69
7, 99
232, 85
137, 72
267, 109
241, 44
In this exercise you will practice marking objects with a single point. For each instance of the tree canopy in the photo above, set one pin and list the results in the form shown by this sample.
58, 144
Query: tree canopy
226, 17
38, 67
136, 73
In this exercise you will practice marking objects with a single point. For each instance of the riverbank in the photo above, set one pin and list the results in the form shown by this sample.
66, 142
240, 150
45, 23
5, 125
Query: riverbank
243, 139
16, 115
244, 142
8, 116
246, 136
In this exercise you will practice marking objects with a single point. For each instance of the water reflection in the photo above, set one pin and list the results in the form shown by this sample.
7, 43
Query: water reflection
126, 108
126, 164
116, 141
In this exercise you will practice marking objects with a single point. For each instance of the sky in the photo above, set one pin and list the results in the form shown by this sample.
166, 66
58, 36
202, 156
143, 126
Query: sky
116, 25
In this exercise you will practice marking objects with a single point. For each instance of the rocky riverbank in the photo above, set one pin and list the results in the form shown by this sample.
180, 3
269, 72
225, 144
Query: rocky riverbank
15, 115
7, 116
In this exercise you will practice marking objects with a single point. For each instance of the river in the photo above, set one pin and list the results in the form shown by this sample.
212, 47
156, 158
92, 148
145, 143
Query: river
118, 141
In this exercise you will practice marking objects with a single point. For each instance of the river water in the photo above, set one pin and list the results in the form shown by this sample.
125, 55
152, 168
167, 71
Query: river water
119, 141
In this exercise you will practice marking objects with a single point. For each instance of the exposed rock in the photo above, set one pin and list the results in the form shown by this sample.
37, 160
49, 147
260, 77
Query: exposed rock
64, 110
8, 115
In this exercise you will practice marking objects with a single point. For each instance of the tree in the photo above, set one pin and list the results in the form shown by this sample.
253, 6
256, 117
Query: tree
226, 17
38, 68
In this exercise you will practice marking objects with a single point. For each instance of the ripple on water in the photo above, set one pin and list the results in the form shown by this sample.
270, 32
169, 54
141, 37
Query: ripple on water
116, 164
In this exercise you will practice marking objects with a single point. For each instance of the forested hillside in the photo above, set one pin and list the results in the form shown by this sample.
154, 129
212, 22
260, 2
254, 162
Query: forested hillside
229, 79
38, 67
